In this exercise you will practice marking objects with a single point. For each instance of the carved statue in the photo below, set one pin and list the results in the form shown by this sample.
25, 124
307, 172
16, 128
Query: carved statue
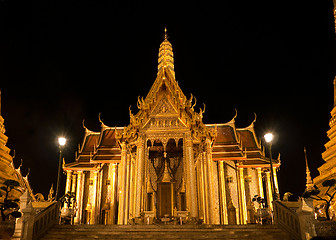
286, 196
51, 193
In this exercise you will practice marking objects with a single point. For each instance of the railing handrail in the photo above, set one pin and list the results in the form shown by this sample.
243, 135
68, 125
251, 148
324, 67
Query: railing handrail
287, 219
45, 219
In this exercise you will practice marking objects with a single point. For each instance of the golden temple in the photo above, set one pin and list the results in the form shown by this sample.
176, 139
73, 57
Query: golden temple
7, 168
167, 163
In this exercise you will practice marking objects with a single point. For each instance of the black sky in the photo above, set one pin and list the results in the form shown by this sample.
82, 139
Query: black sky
65, 61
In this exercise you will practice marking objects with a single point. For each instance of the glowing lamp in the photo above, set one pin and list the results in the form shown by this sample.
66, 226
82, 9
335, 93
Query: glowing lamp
268, 137
61, 141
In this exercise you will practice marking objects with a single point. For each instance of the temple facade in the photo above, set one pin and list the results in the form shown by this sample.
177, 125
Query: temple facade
169, 164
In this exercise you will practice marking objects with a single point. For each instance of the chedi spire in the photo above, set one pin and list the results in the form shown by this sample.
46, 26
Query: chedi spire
309, 181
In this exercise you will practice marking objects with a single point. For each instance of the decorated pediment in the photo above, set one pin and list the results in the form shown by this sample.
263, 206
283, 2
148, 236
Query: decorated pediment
163, 108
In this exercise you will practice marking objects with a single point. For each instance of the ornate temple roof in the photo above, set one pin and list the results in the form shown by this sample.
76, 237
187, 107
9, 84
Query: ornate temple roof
165, 100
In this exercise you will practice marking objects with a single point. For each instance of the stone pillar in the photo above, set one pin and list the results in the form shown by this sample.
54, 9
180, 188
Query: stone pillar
242, 196
191, 177
121, 184
79, 197
269, 190
68, 181
224, 213
260, 182
139, 175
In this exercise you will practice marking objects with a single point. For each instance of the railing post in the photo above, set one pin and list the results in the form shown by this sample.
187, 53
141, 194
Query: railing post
22, 223
306, 218
28, 222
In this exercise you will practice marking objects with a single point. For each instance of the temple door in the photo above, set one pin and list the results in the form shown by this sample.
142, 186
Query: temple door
164, 199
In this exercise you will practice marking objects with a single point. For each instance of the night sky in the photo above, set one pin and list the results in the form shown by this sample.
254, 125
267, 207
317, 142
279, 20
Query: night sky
65, 61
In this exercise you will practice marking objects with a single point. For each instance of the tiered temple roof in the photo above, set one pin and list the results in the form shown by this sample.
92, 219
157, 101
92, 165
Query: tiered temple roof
230, 143
166, 98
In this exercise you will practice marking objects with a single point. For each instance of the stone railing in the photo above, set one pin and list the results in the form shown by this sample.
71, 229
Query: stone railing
287, 219
35, 220
45, 219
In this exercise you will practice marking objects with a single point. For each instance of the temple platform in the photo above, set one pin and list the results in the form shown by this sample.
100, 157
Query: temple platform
160, 232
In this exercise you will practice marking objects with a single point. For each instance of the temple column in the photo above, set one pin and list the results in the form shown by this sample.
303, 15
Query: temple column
139, 176
131, 202
93, 197
127, 192
205, 188
243, 196
276, 181
68, 181
79, 197
260, 183
191, 177
73, 184
201, 198
224, 213
213, 185
269, 190
112, 175
121, 184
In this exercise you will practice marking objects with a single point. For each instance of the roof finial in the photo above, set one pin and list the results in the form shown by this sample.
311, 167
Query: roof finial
165, 34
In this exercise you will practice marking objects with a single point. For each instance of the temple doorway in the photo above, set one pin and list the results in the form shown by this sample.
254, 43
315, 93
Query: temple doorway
165, 200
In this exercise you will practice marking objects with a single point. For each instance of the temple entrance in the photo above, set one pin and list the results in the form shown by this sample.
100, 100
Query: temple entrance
165, 199
165, 183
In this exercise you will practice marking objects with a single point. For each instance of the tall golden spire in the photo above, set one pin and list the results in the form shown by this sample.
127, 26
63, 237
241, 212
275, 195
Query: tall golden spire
309, 181
166, 56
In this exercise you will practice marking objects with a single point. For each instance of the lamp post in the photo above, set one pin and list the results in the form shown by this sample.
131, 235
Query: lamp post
269, 138
61, 143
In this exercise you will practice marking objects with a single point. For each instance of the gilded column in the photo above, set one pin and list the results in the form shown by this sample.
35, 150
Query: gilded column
191, 177
93, 197
269, 190
121, 184
79, 197
127, 185
131, 207
200, 187
112, 192
74, 183
243, 195
139, 175
224, 212
206, 189
276, 181
213, 186
68, 181
260, 182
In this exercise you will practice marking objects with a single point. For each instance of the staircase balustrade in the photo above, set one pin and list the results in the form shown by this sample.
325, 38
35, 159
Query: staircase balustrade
45, 220
287, 219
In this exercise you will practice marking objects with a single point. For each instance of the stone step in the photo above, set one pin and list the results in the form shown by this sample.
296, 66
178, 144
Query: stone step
161, 232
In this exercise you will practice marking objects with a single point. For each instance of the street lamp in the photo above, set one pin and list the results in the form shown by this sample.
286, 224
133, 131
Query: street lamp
269, 138
61, 143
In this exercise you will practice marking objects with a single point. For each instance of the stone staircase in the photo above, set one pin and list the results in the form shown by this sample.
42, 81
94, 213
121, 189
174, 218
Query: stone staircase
161, 232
